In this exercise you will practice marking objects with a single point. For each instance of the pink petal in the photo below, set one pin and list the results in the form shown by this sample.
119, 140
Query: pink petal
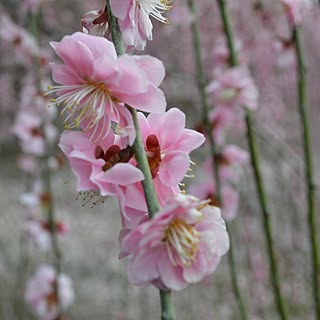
152, 67
190, 140
62, 74
171, 276
122, 174
152, 100
132, 80
172, 128
142, 269
76, 55
197, 270
174, 167
120, 8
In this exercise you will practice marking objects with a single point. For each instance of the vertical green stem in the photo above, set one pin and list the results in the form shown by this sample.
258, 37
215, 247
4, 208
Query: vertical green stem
46, 176
167, 306
310, 185
255, 163
201, 82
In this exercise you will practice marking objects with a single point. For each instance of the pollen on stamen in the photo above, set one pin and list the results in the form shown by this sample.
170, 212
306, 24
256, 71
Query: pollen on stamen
85, 105
91, 196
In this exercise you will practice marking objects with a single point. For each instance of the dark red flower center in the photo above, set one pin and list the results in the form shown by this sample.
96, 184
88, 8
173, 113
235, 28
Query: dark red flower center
113, 155
153, 154
214, 201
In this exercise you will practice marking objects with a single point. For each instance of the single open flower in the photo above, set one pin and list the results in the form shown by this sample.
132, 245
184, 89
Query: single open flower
234, 87
168, 144
94, 84
99, 165
181, 245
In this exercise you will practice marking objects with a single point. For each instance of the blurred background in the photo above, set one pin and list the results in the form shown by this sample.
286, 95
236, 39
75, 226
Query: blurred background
90, 249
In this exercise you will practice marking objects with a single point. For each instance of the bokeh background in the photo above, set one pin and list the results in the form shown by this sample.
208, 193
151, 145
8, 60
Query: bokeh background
90, 250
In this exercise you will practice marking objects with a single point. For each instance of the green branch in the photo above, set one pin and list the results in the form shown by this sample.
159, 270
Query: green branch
167, 307
310, 185
255, 163
201, 82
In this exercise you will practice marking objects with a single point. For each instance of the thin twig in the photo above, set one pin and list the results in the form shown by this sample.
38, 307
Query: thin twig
309, 176
167, 307
255, 163
201, 82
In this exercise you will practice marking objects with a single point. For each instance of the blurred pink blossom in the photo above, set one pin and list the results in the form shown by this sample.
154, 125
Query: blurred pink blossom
181, 245
221, 119
18, 38
27, 163
40, 234
40, 292
206, 190
285, 54
32, 133
294, 9
233, 88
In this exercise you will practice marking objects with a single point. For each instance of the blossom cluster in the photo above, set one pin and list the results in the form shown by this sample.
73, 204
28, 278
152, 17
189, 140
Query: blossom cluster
48, 293
231, 90
97, 91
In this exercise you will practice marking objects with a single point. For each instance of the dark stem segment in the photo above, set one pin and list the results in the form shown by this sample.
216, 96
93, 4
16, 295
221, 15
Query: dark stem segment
309, 176
255, 163
167, 306
201, 82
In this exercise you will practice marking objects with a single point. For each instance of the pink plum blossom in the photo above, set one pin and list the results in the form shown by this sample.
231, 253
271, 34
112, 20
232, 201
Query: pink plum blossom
221, 55
32, 133
40, 292
40, 234
99, 165
134, 21
168, 144
286, 56
294, 9
221, 119
95, 83
234, 87
19, 38
133, 206
27, 163
181, 245
230, 160
230, 197
95, 22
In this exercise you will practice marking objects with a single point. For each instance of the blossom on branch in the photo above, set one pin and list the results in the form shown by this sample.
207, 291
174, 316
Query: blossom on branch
94, 84
41, 294
181, 245
100, 165
134, 21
